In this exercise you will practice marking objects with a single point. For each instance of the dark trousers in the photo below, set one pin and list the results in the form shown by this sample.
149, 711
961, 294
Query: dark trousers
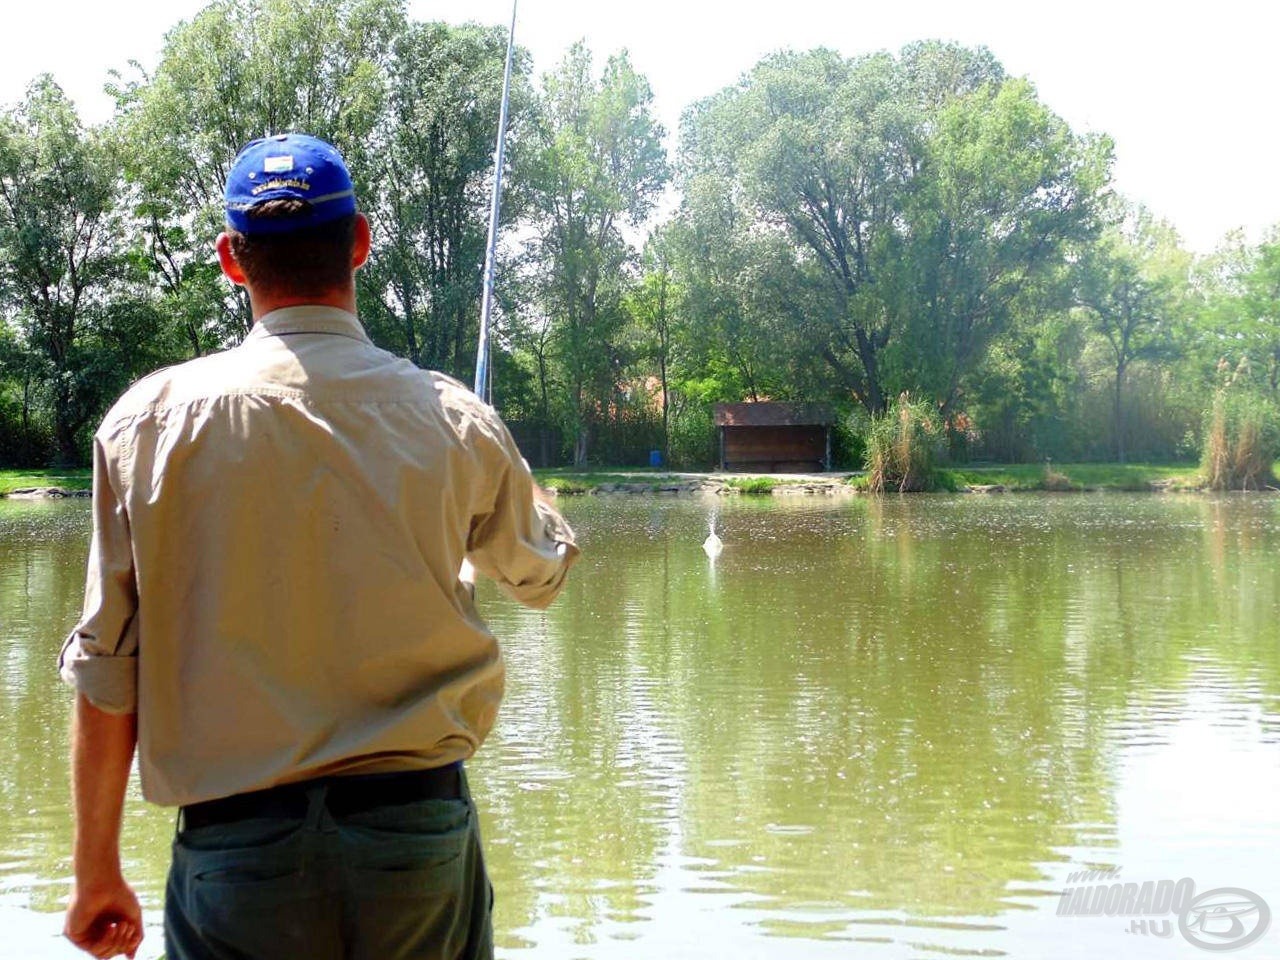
399, 881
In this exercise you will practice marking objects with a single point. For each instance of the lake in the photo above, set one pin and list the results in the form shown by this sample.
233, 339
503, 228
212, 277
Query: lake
872, 727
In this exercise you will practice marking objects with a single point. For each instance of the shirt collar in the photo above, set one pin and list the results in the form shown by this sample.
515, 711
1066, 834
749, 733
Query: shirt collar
310, 318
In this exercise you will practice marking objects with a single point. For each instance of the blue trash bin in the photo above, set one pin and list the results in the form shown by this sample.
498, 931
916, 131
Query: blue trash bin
655, 458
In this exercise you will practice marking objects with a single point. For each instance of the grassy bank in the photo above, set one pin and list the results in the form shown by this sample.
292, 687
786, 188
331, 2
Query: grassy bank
1065, 477
1075, 476
67, 479
565, 480
1014, 477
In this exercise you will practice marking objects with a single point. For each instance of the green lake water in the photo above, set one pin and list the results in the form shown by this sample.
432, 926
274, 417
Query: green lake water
870, 728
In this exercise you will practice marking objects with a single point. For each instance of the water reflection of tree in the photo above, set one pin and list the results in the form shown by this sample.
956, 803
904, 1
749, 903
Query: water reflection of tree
579, 779
43, 548
879, 706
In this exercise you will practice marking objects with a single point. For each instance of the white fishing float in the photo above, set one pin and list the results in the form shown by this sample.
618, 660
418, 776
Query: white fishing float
713, 544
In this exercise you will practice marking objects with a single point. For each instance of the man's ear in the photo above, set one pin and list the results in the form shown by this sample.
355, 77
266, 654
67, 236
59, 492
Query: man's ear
230, 269
363, 241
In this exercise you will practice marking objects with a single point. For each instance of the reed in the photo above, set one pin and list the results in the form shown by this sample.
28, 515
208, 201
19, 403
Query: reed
1241, 441
904, 446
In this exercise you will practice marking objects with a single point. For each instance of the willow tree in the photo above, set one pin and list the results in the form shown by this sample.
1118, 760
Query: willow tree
915, 197
599, 168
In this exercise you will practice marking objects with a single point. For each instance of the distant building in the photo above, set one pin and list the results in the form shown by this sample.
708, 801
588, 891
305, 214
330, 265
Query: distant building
774, 437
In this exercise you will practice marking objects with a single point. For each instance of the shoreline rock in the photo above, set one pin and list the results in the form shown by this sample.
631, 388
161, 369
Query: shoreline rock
46, 493
715, 487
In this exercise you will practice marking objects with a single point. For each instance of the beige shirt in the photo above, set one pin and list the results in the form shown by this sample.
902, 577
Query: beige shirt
273, 579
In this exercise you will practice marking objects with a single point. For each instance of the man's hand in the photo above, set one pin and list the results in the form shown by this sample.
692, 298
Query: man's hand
102, 915
103, 918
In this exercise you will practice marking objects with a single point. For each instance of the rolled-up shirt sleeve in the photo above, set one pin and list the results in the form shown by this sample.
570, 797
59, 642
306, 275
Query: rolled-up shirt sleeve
520, 542
100, 656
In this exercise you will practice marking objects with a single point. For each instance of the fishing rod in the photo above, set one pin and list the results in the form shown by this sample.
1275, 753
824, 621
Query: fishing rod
483, 386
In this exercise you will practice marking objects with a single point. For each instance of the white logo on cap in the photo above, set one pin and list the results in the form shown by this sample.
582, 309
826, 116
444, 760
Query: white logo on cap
277, 164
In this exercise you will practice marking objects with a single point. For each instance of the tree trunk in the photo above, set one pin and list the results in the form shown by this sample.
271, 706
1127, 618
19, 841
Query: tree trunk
27, 448
1119, 412
665, 416
874, 400
579, 429
67, 454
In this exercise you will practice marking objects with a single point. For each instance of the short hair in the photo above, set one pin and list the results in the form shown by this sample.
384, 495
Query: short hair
307, 262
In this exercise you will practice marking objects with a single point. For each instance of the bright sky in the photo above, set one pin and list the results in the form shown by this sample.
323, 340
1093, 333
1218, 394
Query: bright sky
1188, 91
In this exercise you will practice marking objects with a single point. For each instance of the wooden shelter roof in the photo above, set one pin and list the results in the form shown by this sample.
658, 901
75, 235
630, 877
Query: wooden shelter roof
769, 414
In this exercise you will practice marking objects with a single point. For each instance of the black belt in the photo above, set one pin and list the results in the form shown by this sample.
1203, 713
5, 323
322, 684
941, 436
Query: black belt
345, 795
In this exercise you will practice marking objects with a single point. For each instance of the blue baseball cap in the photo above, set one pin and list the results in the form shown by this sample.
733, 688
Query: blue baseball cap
288, 166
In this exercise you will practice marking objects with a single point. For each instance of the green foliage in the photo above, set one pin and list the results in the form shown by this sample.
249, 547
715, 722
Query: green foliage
892, 212
752, 486
427, 190
848, 229
1022, 402
904, 447
1074, 476
654, 307
691, 441
1243, 307
235, 72
78, 318
599, 167
1006, 193
848, 444
1131, 281
565, 486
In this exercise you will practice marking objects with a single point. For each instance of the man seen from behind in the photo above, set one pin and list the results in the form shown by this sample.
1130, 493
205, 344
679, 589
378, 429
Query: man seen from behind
273, 614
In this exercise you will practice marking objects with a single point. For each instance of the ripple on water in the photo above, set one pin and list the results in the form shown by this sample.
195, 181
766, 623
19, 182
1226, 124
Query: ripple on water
900, 723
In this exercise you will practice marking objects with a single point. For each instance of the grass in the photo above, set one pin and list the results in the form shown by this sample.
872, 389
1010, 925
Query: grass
1015, 477
68, 479
567, 481
1076, 476
755, 486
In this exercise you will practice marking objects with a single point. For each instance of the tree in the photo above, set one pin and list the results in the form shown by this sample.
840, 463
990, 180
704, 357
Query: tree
599, 169
652, 305
64, 272
1260, 309
743, 299
916, 198
1130, 283
429, 202
1004, 194
236, 72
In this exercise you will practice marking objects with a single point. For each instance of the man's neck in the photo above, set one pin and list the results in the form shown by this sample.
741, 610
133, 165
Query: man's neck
263, 303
